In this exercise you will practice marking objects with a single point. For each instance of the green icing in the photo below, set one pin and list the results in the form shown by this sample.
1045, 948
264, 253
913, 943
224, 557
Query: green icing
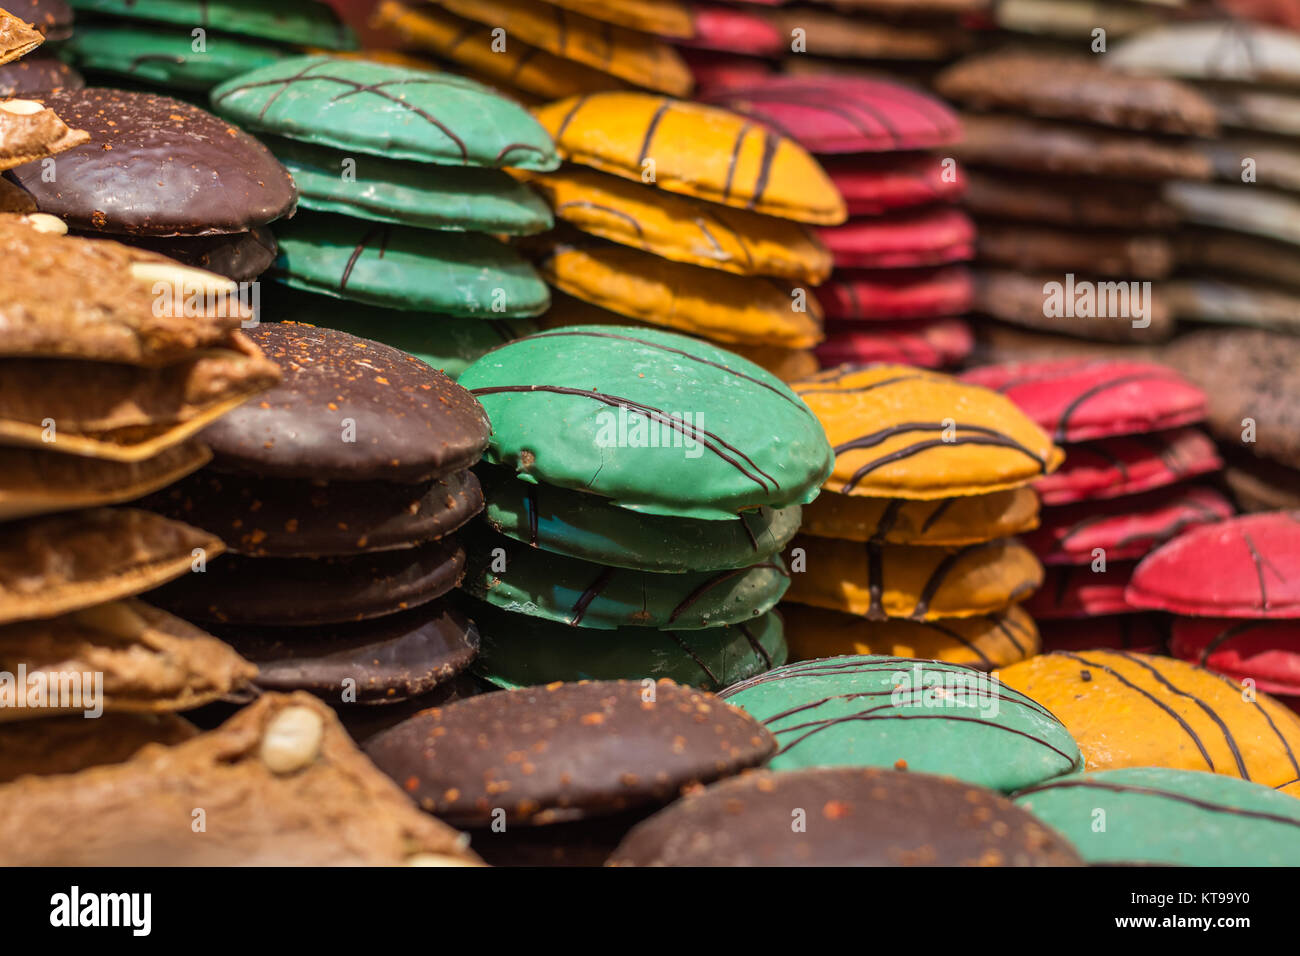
304, 22
1179, 817
572, 591
589, 527
400, 267
869, 711
449, 345
520, 651
167, 57
657, 422
390, 111
454, 198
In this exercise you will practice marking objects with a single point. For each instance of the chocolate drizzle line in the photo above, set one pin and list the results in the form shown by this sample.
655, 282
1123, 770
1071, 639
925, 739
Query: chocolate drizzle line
780, 393
719, 578
1208, 710
695, 657
355, 88
1187, 728
758, 475
985, 661
940, 574
936, 514
1062, 422
593, 591
1295, 764
848, 666
650, 129
756, 645
1227, 634
814, 727
378, 231
1163, 794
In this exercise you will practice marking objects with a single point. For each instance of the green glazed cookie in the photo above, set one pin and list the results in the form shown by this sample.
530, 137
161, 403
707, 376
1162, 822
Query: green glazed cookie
509, 574
1178, 817
449, 345
289, 21
907, 713
413, 194
399, 267
387, 110
166, 56
657, 422
587, 526
520, 651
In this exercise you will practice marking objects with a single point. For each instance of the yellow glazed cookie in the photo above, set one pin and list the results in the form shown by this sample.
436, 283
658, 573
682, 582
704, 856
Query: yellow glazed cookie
900, 432
704, 302
701, 151
627, 54
939, 521
518, 67
985, 641
682, 229
1135, 710
878, 581
665, 18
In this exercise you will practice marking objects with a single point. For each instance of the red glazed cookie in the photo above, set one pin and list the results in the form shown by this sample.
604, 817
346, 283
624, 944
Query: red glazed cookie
872, 185
927, 237
1129, 464
1267, 652
1125, 529
925, 344
1083, 399
897, 294
1070, 591
844, 114
1244, 567
733, 30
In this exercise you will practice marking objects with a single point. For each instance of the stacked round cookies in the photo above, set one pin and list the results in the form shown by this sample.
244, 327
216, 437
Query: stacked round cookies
909, 549
101, 394
540, 50
1237, 249
188, 48
1065, 160
337, 495
1131, 444
401, 172
688, 216
52, 20
643, 485
898, 283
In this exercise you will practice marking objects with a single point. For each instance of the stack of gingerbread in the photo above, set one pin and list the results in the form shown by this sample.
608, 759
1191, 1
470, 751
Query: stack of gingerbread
899, 283
1064, 160
103, 387
1129, 428
640, 486
400, 174
687, 216
909, 550
1237, 250
338, 496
